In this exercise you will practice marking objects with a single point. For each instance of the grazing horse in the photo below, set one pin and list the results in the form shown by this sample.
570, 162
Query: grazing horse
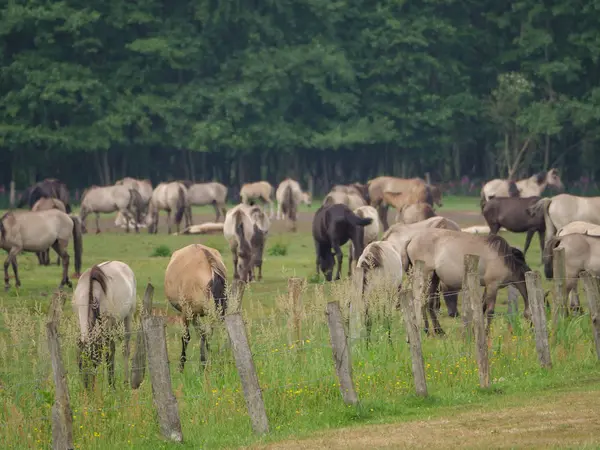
414, 213
107, 199
245, 229
104, 297
36, 232
370, 233
169, 197
260, 190
563, 209
443, 253
379, 185
44, 204
533, 186
382, 264
195, 282
212, 193
333, 226
48, 188
351, 199
581, 243
354, 188
512, 214
289, 195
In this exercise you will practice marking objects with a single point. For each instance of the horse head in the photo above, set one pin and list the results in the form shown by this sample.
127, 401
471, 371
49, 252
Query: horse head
553, 179
326, 263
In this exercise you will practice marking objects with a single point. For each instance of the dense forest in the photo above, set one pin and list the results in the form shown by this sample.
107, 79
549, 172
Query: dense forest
338, 91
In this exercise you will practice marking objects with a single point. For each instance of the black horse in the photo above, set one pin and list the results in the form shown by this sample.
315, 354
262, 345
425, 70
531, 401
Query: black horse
333, 226
48, 188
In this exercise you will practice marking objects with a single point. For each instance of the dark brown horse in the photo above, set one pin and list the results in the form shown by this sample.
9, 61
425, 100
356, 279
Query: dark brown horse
512, 213
48, 188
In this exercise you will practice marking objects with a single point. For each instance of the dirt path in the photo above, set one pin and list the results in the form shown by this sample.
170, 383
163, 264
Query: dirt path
558, 419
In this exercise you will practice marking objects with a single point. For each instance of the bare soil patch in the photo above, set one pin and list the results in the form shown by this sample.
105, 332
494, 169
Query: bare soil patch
565, 420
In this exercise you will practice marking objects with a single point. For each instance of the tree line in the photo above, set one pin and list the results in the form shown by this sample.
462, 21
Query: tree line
336, 91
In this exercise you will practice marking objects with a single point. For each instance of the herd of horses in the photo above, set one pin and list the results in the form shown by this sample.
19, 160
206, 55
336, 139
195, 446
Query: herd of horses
196, 275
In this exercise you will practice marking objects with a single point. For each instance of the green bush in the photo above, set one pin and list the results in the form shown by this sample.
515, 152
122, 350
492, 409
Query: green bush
278, 249
161, 250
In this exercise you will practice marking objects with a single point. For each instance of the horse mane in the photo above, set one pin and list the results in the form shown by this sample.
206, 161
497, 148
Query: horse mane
513, 258
98, 275
373, 259
216, 286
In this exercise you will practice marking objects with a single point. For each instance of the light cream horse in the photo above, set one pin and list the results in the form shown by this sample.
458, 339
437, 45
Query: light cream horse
414, 213
108, 199
169, 197
289, 195
563, 209
260, 190
144, 188
371, 231
354, 188
245, 229
36, 232
212, 193
351, 199
44, 204
411, 206
195, 282
105, 296
528, 187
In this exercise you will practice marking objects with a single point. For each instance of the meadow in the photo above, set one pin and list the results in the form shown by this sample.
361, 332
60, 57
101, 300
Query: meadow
298, 379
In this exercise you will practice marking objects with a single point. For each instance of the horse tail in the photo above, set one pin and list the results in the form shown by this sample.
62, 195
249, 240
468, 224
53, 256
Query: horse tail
542, 206
217, 285
136, 201
289, 205
513, 190
357, 221
97, 275
181, 205
548, 256
77, 243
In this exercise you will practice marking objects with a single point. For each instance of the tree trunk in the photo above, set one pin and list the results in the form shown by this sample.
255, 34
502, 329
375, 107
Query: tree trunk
106, 168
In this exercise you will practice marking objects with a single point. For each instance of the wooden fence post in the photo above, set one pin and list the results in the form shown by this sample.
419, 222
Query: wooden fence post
294, 289
62, 416
12, 194
538, 314
155, 342
592, 291
414, 340
560, 303
237, 295
357, 305
245, 367
420, 282
341, 353
513, 301
469, 266
483, 363
138, 365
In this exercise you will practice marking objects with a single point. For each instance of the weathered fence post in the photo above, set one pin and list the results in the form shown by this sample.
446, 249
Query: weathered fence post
420, 282
138, 364
155, 342
538, 314
62, 416
341, 353
560, 305
483, 363
294, 289
469, 266
12, 194
414, 340
513, 301
592, 291
357, 305
237, 295
245, 367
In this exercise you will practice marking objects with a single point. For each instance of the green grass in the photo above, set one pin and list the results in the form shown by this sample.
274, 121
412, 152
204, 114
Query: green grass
298, 378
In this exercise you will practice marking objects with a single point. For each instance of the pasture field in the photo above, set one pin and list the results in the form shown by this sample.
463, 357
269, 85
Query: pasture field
297, 377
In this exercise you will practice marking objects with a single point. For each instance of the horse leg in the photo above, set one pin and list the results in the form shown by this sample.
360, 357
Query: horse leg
214, 203
97, 222
451, 299
6, 278
185, 339
350, 253
59, 247
489, 297
126, 338
110, 359
236, 275
430, 302
542, 236
530, 234
169, 221
339, 256
203, 342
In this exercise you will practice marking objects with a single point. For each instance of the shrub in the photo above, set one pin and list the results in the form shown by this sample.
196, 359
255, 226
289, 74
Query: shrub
278, 249
161, 250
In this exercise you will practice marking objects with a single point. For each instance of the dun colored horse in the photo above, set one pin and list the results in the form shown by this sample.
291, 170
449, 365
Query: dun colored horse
289, 195
333, 226
108, 199
581, 243
246, 228
104, 297
36, 232
48, 188
533, 186
44, 204
417, 212
443, 253
563, 209
169, 197
260, 190
351, 199
195, 282
370, 232
212, 193
354, 188
512, 214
